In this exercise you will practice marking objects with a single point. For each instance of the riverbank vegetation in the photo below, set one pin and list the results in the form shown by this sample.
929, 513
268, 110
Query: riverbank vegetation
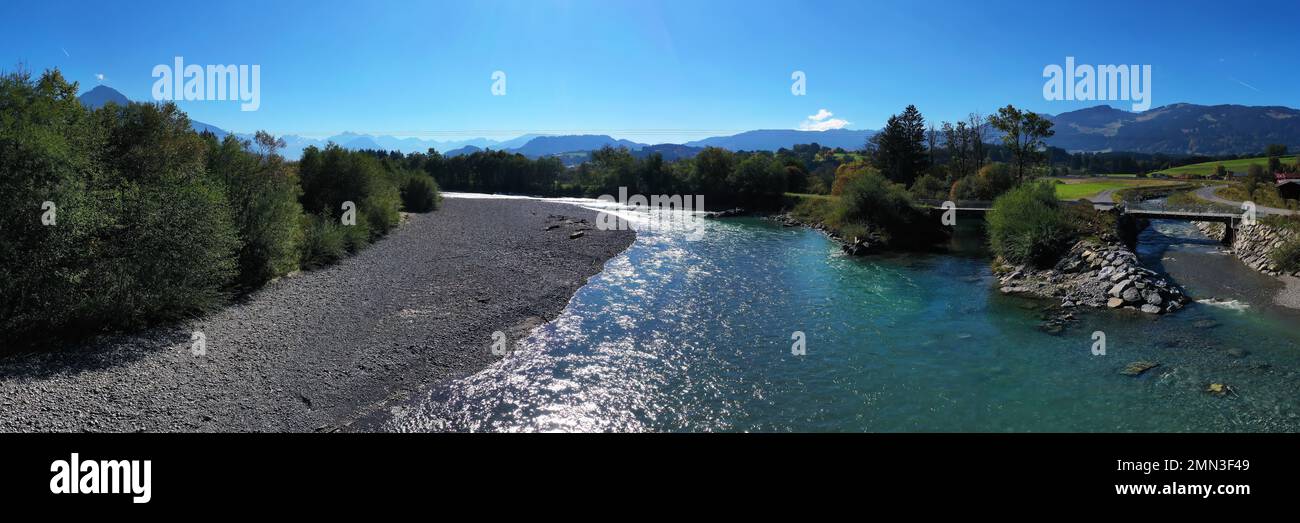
124, 216
1286, 255
1028, 225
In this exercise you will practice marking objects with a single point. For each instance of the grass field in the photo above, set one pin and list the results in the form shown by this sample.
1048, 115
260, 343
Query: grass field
1207, 168
1077, 188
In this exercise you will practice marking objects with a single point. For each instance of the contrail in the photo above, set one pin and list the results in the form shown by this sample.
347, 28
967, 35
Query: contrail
1245, 84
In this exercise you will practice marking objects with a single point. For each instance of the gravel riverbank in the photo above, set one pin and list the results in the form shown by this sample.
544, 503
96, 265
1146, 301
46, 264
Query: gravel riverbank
316, 350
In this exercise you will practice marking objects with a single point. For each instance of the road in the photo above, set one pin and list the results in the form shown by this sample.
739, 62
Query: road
1207, 193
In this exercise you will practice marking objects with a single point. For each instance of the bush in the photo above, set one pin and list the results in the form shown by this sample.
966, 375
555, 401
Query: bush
1287, 255
47, 144
141, 232
324, 240
1028, 225
419, 192
929, 187
263, 191
847, 173
336, 175
883, 206
990, 182
170, 247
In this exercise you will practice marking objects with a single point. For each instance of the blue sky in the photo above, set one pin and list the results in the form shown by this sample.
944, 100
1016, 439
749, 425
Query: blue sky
652, 71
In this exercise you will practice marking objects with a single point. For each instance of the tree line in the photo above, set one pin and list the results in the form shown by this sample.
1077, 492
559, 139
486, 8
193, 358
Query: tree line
124, 216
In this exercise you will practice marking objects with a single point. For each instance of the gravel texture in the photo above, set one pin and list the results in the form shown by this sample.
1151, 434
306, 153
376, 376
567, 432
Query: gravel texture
318, 349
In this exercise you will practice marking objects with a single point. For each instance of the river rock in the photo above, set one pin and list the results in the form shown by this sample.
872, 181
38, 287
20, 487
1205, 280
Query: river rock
1151, 309
1093, 274
1152, 297
1138, 367
1118, 289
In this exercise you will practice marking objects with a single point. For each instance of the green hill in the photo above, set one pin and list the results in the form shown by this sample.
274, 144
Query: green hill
1207, 168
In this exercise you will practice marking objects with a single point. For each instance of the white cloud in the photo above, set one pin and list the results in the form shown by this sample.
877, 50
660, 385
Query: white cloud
99, 76
822, 121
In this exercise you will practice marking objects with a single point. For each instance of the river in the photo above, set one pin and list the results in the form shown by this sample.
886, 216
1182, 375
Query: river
695, 332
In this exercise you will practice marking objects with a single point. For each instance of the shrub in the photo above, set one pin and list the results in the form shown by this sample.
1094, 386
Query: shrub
846, 173
1028, 225
324, 240
419, 192
263, 191
1287, 255
334, 176
169, 246
871, 200
928, 187
47, 144
990, 182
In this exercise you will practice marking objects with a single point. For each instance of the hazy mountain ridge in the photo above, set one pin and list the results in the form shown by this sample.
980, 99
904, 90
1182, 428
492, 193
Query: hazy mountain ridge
1178, 129
774, 139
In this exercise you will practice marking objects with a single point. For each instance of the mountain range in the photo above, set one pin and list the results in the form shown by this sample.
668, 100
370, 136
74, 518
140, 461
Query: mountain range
1177, 129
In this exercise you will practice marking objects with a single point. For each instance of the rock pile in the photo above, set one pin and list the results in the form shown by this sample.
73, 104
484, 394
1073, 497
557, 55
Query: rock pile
1097, 275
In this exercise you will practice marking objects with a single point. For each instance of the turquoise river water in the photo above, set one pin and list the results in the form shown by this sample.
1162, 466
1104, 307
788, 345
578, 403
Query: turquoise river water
693, 332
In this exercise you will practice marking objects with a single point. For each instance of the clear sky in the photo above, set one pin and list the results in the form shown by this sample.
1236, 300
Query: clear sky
653, 71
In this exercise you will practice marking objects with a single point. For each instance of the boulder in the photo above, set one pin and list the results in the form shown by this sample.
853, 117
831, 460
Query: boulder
1115, 303
1138, 367
1131, 295
1118, 289
1153, 297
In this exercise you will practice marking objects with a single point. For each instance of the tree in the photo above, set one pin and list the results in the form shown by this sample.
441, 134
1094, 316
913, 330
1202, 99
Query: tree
1276, 149
899, 149
1023, 136
931, 141
975, 125
1254, 176
712, 165
263, 192
1221, 172
958, 140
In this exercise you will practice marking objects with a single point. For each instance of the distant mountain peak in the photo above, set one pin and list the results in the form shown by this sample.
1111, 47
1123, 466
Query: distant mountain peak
101, 95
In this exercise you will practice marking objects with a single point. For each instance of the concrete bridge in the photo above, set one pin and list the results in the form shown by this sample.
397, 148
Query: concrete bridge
980, 208
1130, 221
